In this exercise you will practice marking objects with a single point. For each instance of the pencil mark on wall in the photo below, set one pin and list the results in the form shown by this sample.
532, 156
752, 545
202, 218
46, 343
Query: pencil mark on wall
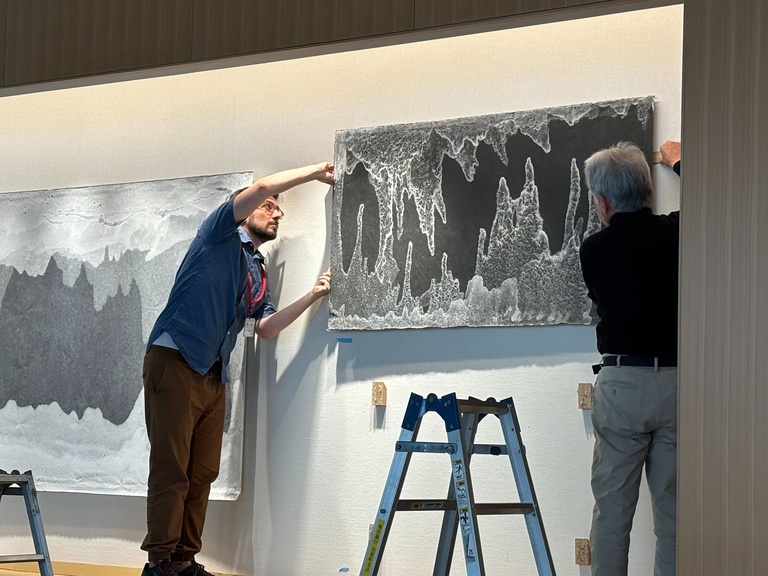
472, 221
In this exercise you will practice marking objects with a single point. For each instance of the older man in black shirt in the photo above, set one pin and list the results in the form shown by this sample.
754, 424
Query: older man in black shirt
630, 269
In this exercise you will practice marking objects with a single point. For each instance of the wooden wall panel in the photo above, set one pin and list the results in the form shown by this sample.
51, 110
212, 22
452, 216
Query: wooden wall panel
49, 40
54, 39
430, 13
3, 10
237, 27
723, 431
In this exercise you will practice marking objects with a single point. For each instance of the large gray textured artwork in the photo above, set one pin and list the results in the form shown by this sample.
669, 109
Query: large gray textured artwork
472, 221
84, 273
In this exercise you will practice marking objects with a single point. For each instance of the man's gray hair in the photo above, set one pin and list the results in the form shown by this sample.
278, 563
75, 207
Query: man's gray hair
621, 175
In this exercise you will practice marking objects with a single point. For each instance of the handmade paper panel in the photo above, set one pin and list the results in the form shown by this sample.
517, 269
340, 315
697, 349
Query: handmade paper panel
472, 221
84, 273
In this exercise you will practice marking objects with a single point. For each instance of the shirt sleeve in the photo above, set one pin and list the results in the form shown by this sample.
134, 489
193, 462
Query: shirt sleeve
220, 224
266, 308
583, 258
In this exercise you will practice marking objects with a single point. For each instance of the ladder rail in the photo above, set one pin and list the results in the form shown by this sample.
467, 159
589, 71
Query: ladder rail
465, 509
522, 473
387, 506
450, 523
460, 512
24, 485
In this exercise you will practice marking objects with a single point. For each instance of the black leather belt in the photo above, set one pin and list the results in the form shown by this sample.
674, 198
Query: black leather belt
642, 361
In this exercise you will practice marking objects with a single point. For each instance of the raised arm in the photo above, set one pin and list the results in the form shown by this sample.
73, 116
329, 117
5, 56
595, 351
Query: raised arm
253, 196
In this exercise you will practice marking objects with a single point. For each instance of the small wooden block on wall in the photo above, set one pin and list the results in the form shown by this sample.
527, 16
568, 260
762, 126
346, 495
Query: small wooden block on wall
379, 394
585, 395
583, 552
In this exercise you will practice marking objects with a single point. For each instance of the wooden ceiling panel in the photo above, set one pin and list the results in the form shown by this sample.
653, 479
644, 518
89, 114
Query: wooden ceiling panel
429, 13
239, 27
55, 39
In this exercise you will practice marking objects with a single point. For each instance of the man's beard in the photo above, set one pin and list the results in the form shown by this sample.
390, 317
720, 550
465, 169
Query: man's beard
263, 233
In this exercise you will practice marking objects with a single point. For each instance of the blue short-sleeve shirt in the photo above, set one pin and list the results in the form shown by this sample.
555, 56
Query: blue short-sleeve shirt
208, 303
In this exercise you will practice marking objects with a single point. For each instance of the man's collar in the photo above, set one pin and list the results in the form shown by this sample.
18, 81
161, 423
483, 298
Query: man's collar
624, 216
244, 237
246, 240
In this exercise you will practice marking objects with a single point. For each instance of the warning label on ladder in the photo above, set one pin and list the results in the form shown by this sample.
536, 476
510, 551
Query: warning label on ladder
377, 530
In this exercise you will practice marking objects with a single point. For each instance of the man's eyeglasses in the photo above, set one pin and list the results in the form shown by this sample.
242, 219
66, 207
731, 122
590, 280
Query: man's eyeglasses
270, 208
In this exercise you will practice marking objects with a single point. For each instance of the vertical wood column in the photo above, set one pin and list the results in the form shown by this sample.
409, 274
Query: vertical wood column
723, 431
3, 18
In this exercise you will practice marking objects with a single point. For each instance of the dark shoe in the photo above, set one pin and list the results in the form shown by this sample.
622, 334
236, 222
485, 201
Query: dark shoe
162, 568
195, 569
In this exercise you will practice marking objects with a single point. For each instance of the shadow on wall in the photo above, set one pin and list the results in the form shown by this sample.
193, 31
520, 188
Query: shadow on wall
362, 355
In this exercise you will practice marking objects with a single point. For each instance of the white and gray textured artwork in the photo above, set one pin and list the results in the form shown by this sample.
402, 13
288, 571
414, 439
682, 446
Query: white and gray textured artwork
84, 273
472, 221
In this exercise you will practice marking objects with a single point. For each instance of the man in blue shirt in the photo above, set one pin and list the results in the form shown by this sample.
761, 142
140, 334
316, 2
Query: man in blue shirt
220, 288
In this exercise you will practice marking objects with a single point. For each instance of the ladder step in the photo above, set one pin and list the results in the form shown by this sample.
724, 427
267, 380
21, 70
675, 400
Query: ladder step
481, 508
449, 448
482, 407
437, 447
22, 558
493, 449
504, 508
12, 478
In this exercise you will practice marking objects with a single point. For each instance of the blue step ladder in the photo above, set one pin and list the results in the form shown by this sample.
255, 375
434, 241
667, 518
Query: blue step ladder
459, 509
16, 484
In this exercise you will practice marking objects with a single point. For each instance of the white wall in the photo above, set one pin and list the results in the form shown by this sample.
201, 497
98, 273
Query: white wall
317, 452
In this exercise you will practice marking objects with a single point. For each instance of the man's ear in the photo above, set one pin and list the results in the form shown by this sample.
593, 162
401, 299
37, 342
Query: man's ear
603, 204
604, 208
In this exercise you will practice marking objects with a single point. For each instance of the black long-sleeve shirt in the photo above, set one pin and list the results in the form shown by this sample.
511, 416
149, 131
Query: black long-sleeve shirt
631, 271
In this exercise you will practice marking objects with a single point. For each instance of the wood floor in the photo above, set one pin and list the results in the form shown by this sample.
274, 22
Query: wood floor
68, 569
72, 569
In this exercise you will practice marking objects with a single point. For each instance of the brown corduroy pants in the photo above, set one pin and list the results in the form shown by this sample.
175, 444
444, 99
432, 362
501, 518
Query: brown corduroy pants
185, 423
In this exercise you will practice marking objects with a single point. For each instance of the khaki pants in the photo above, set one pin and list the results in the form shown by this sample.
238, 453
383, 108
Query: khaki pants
185, 424
635, 422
